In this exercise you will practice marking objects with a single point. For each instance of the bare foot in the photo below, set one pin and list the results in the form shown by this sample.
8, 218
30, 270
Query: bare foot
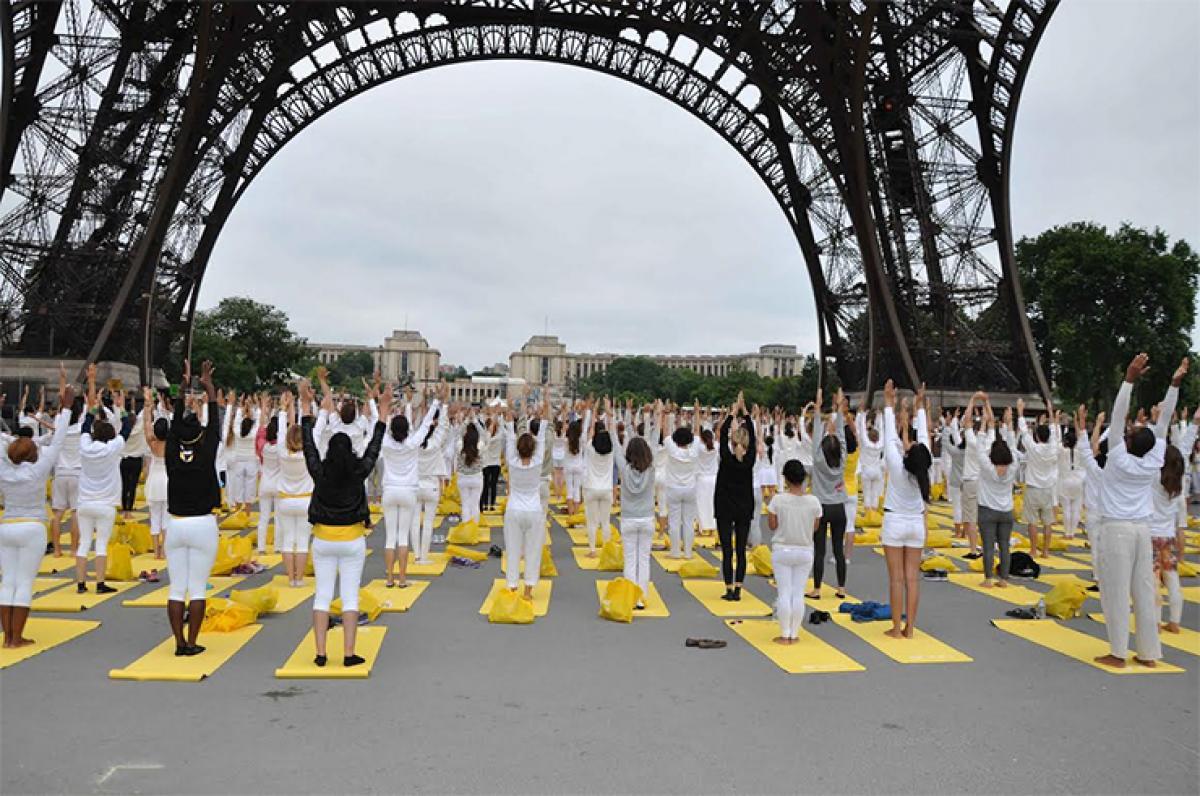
894, 632
23, 642
528, 593
782, 640
908, 631
1171, 627
812, 595
1147, 664
1110, 660
1001, 584
592, 554
985, 583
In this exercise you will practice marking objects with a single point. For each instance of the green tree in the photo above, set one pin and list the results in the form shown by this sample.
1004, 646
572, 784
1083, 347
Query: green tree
351, 368
249, 343
1096, 298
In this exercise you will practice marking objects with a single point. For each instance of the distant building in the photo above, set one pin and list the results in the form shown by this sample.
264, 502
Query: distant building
404, 358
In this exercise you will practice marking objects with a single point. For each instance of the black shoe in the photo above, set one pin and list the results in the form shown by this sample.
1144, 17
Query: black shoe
104, 588
639, 607
727, 596
181, 651
49, 548
193, 649
973, 556
737, 595
320, 660
81, 587
1094, 587
495, 552
353, 660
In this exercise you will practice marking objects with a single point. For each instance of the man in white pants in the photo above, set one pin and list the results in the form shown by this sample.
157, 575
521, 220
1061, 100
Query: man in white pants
1126, 562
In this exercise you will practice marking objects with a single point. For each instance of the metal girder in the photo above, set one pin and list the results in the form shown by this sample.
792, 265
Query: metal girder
123, 178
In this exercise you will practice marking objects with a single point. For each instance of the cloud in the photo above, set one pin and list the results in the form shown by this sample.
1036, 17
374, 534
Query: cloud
483, 203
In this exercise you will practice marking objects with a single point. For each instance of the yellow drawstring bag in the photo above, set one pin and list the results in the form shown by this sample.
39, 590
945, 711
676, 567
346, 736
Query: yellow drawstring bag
548, 570
760, 559
454, 551
134, 534
224, 616
510, 608
613, 533
464, 533
1065, 599
938, 562
1019, 504
238, 521
612, 557
234, 552
871, 518
262, 599
619, 598
119, 564
697, 568
938, 538
937, 492
367, 604
572, 520
866, 536
1186, 569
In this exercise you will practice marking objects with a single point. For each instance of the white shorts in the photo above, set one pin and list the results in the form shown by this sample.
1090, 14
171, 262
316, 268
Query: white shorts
64, 493
1039, 505
903, 530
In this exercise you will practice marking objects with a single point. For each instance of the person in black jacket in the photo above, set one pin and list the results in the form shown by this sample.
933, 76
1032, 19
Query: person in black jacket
192, 494
340, 517
733, 497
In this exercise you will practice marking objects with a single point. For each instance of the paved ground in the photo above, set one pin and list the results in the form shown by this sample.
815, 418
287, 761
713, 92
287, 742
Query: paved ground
575, 704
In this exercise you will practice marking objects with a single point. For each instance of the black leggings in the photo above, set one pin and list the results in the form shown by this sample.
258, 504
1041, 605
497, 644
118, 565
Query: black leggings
729, 531
491, 485
833, 517
131, 471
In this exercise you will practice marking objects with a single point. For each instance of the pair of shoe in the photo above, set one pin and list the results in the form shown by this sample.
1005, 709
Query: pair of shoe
104, 588
937, 574
188, 650
973, 555
705, 643
817, 617
733, 595
148, 577
1021, 613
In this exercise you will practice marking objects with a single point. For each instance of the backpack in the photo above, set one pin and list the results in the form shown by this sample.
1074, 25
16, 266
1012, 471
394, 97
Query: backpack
1022, 565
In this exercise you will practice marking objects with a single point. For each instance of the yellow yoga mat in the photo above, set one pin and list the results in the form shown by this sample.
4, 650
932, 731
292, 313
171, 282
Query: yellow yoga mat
541, 596
810, 655
581, 558
396, 600
655, 607
672, 565
828, 601
158, 597
366, 644
161, 663
491, 521
146, 562
53, 564
1186, 639
521, 566
1083, 647
709, 592
291, 596
46, 584
437, 567
1013, 593
47, 634
67, 600
579, 536
921, 648
268, 560
706, 542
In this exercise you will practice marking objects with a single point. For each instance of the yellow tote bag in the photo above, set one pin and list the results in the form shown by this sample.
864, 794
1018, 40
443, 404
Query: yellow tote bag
612, 557
510, 608
619, 598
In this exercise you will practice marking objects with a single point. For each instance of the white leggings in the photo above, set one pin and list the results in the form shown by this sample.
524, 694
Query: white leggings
158, 516
1072, 507
870, 485
266, 506
792, 565
421, 526
636, 536
705, 494
399, 505
291, 525
340, 564
242, 486
597, 506
955, 494
191, 550
470, 487
1174, 596
22, 543
574, 484
97, 518
681, 518
524, 532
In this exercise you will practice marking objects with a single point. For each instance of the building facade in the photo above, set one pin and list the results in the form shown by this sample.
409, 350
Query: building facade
404, 358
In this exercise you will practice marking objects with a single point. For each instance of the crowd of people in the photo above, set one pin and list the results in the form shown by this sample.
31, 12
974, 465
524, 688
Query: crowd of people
314, 466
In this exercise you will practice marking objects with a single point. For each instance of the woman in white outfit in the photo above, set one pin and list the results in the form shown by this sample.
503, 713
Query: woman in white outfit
155, 432
636, 467
268, 482
429, 485
597, 476
708, 461
679, 475
24, 468
524, 528
470, 469
242, 458
870, 461
1070, 483
574, 468
400, 453
792, 516
903, 533
294, 491
558, 456
100, 451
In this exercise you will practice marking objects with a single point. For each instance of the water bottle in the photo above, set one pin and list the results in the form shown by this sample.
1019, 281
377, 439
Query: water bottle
1040, 613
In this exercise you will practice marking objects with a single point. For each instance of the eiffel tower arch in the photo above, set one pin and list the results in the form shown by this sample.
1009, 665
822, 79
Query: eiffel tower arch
884, 131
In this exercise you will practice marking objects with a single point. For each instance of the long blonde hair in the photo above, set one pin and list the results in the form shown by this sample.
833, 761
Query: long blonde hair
295, 439
739, 440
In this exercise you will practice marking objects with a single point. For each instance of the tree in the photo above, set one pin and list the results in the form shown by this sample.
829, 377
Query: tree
351, 368
1095, 299
250, 345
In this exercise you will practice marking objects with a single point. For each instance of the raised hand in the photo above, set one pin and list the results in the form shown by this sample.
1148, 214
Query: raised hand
1138, 368
1180, 372
385, 401
889, 393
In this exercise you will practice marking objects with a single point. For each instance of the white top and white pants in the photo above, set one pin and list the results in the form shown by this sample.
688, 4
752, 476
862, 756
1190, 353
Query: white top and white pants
524, 522
99, 491
679, 476
792, 556
401, 478
597, 486
903, 507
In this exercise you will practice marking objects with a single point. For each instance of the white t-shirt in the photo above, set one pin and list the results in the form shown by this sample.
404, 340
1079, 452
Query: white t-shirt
798, 515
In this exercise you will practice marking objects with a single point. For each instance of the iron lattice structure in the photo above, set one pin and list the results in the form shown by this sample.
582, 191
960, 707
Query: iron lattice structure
883, 130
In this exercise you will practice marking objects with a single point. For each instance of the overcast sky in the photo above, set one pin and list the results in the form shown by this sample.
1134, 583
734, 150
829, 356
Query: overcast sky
483, 203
